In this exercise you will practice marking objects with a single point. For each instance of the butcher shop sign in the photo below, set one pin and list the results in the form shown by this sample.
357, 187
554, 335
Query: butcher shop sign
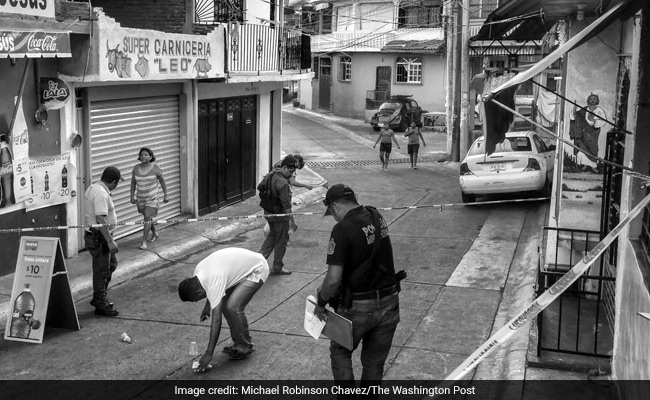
143, 55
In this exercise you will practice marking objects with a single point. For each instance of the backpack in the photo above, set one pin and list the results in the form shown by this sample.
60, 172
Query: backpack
268, 199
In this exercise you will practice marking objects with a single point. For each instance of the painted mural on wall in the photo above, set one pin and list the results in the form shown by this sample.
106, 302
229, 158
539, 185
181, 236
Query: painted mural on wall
141, 55
586, 125
591, 83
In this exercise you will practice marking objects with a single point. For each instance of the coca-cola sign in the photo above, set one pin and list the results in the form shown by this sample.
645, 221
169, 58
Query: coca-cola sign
18, 44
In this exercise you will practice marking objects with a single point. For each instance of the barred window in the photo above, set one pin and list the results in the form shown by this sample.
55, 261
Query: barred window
209, 12
315, 67
345, 69
409, 70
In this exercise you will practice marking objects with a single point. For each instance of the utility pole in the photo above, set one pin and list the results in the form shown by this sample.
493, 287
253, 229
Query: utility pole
464, 79
449, 92
453, 81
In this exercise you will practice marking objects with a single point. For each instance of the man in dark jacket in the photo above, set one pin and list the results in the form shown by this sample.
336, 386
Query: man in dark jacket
360, 268
276, 184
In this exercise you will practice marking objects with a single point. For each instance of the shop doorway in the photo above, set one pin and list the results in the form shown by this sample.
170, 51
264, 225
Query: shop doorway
227, 149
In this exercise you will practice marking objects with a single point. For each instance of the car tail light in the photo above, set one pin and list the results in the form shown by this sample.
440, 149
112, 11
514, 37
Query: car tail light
533, 165
464, 169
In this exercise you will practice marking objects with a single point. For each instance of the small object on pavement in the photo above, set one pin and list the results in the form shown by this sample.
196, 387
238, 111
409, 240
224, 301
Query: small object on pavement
126, 338
194, 351
195, 365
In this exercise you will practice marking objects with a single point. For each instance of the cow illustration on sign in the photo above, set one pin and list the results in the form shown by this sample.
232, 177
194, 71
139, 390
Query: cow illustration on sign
118, 61
202, 67
142, 66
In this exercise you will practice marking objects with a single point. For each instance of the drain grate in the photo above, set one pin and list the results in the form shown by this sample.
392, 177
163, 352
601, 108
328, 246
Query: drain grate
363, 163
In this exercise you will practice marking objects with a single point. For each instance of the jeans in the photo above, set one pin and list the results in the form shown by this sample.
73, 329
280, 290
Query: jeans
373, 322
235, 301
104, 263
276, 242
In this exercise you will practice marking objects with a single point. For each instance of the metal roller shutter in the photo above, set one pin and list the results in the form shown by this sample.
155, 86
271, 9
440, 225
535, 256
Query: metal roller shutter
119, 128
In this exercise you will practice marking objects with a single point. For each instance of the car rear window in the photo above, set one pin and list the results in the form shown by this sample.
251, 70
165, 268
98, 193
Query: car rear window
390, 106
513, 144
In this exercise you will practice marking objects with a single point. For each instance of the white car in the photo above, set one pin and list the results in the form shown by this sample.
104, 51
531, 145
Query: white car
521, 163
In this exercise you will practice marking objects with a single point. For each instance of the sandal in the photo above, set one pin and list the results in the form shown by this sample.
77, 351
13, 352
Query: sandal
155, 237
227, 349
143, 246
238, 354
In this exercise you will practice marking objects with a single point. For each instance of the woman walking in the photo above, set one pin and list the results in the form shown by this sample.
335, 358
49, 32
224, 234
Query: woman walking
385, 135
414, 135
144, 192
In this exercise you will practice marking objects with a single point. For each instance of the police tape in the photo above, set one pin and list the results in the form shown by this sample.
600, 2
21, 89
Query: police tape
552, 293
255, 216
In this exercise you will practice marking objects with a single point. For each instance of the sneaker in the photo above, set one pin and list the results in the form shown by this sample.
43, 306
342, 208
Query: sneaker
106, 312
281, 271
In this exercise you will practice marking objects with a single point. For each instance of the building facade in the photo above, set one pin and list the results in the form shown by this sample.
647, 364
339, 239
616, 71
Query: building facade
198, 82
364, 52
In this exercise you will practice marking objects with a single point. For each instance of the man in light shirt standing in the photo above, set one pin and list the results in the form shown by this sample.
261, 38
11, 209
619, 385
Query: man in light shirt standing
99, 241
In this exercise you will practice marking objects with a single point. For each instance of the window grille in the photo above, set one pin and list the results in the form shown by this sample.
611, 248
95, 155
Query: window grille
209, 12
345, 69
409, 70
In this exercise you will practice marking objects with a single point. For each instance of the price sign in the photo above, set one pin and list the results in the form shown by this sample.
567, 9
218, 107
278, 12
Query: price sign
41, 291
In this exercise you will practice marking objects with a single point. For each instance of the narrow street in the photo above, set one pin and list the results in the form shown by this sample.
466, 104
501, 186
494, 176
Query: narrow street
458, 261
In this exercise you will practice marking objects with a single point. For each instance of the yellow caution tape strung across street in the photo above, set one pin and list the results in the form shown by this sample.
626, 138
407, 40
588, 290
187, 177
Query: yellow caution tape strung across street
254, 216
553, 292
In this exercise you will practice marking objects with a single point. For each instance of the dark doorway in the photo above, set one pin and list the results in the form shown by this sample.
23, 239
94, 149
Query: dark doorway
324, 83
227, 131
382, 83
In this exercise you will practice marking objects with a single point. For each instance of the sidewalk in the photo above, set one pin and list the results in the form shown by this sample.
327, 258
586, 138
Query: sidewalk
177, 241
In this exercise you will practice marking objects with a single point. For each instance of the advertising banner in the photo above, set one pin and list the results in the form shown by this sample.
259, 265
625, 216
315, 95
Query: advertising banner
41, 289
35, 8
49, 181
143, 55
34, 44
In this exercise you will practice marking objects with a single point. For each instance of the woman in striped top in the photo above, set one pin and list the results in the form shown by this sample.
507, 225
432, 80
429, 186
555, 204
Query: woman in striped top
144, 192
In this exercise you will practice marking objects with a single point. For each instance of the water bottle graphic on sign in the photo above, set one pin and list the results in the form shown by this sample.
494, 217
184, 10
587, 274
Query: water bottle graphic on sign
23, 312
6, 173
64, 177
47, 182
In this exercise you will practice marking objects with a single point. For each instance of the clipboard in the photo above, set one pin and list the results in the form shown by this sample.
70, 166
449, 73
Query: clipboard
338, 329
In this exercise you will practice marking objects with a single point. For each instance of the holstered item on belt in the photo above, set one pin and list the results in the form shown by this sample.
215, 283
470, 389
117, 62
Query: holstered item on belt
98, 242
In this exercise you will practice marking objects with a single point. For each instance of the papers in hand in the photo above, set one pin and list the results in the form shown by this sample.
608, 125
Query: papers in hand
313, 325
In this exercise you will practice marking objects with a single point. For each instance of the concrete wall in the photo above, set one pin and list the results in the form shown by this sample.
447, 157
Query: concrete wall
164, 15
631, 360
349, 98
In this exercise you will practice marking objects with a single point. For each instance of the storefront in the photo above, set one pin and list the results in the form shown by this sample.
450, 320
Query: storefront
137, 91
34, 185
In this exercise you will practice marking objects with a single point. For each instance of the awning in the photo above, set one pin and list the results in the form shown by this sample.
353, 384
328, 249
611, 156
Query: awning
621, 9
433, 46
530, 19
34, 44
497, 119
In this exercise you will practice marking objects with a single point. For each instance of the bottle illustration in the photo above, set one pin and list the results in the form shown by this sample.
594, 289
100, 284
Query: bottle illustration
31, 179
47, 182
64, 177
6, 173
21, 319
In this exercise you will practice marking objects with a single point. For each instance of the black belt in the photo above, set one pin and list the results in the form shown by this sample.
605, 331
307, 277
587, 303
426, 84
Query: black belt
375, 294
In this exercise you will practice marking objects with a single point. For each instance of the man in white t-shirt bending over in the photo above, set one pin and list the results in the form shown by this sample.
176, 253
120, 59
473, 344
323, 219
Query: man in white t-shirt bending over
229, 278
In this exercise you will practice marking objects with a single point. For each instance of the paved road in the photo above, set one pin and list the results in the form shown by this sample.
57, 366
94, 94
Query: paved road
458, 261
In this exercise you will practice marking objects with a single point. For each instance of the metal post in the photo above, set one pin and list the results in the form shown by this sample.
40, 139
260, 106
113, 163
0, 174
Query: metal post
464, 81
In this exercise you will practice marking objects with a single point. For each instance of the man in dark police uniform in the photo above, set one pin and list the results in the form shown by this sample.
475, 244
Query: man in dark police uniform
361, 285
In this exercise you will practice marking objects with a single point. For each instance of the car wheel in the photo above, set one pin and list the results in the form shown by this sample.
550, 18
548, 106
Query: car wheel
467, 198
546, 190
376, 128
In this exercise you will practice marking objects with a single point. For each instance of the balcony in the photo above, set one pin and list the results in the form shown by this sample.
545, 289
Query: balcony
351, 42
261, 48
